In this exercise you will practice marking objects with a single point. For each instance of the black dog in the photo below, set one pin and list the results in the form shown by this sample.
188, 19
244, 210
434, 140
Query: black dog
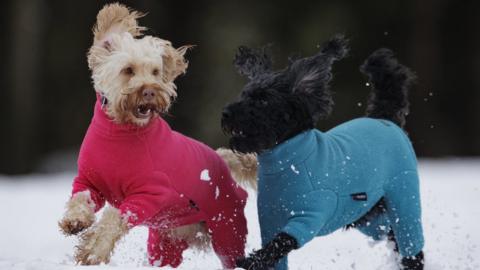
278, 109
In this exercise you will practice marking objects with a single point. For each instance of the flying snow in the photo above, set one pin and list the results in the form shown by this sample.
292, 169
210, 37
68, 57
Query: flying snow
204, 175
294, 169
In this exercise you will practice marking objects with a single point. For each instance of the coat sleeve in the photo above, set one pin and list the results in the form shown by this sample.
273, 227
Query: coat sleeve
83, 183
147, 196
310, 214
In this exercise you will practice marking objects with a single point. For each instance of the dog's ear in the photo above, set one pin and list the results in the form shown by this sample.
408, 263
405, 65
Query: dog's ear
310, 76
174, 62
253, 62
112, 19
116, 19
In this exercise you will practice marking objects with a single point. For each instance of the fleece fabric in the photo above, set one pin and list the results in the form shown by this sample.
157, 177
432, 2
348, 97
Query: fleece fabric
316, 183
162, 179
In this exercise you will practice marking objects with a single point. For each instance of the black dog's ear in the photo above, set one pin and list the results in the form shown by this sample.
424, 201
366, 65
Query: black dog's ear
313, 73
310, 76
252, 62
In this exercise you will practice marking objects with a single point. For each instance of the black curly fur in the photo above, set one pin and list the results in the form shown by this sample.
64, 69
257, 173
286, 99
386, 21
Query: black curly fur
268, 256
252, 62
378, 209
277, 105
390, 82
416, 262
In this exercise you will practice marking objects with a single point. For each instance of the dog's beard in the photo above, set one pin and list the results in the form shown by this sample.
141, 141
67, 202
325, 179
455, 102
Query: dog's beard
129, 106
251, 139
245, 145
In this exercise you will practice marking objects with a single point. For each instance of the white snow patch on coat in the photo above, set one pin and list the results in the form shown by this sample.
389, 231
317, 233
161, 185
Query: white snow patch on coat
204, 175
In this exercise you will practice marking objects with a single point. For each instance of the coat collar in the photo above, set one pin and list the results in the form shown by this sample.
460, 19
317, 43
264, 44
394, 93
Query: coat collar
290, 152
105, 125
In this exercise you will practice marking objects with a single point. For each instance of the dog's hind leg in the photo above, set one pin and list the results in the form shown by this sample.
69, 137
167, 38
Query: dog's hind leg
412, 262
377, 228
164, 250
402, 198
375, 223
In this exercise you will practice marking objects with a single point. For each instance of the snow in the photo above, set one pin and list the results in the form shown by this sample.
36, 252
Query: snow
294, 169
204, 175
30, 207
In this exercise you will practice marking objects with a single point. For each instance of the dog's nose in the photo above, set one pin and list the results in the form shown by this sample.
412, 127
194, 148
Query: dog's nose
226, 114
148, 94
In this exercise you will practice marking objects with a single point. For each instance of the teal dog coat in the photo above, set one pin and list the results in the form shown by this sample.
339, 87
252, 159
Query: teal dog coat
316, 183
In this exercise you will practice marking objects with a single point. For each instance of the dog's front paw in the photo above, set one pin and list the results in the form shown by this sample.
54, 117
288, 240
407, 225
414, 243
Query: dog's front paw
251, 263
97, 243
74, 226
92, 249
79, 214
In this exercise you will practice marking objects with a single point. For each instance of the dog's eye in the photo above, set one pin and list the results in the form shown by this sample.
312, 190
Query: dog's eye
128, 71
155, 72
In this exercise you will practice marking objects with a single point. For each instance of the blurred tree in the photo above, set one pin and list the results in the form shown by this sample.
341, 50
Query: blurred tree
25, 46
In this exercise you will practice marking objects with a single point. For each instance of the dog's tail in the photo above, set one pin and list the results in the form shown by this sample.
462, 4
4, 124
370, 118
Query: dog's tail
243, 167
390, 82
117, 18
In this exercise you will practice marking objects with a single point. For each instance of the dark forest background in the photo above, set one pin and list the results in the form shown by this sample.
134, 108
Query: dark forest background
46, 97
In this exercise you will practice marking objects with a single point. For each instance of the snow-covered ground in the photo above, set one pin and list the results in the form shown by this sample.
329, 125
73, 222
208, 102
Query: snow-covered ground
31, 205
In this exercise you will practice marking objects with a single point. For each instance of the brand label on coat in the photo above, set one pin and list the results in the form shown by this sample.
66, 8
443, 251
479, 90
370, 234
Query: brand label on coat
362, 196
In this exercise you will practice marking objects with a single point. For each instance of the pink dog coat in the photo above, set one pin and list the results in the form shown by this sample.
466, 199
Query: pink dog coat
162, 179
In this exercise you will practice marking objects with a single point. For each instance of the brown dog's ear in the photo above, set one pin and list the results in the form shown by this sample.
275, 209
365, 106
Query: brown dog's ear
116, 18
112, 19
174, 62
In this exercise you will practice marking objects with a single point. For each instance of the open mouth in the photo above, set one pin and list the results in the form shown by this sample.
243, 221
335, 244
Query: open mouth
238, 134
234, 132
145, 111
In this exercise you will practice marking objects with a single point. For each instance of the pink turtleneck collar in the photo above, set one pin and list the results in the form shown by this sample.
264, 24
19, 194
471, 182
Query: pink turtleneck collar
107, 126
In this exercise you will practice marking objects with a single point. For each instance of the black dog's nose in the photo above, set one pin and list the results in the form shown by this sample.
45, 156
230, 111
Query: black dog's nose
226, 114
148, 94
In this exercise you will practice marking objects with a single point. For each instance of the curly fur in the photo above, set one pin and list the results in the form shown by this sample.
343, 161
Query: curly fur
124, 63
252, 62
196, 235
79, 214
242, 166
98, 242
390, 82
117, 18
277, 105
